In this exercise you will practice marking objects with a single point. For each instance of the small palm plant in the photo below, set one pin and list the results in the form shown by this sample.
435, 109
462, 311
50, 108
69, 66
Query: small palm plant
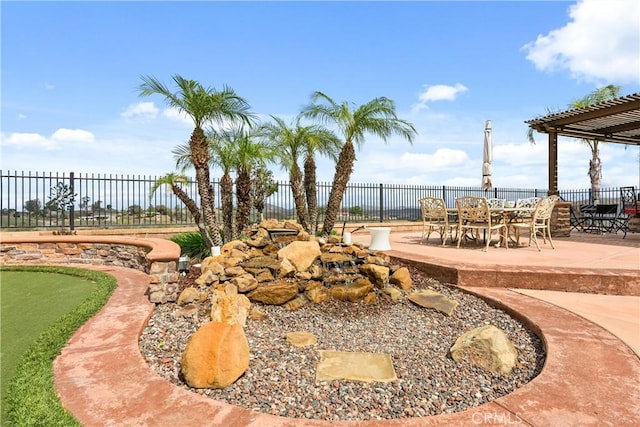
377, 117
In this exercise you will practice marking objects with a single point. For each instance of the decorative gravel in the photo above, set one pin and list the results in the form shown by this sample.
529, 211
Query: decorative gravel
281, 381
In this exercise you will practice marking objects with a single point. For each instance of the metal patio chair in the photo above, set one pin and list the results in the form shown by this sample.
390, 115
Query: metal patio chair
630, 208
539, 222
474, 215
435, 219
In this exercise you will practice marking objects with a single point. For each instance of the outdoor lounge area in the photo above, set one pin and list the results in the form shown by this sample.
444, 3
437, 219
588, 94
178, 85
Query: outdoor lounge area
598, 218
474, 214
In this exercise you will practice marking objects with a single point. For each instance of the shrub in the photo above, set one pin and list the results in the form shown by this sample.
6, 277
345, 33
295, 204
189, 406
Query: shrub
192, 244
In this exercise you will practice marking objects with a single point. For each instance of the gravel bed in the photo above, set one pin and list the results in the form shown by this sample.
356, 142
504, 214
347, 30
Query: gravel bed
281, 381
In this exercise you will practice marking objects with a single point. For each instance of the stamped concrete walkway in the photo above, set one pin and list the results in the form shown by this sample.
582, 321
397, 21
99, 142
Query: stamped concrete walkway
591, 376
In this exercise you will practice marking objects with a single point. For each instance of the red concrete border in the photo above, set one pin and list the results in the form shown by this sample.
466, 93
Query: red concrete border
590, 377
554, 278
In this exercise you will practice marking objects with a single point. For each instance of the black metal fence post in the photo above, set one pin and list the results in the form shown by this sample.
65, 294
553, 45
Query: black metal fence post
381, 215
71, 208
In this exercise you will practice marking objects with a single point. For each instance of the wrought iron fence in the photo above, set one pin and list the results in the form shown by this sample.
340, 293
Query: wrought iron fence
120, 201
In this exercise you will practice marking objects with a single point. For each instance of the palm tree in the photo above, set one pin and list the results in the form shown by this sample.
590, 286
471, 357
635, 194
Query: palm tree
287, 147
176, 181
324, 142
221, 154
289, 144
204, 106
377, 117
249, 152
595, 165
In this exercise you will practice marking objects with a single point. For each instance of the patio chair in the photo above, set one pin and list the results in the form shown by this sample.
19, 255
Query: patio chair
435, 219
539, 222
474, 215
605, 218
528, 203
496, 203
630, 208
577, 222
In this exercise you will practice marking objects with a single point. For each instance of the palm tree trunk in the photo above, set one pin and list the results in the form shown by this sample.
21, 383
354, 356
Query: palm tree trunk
200, 157
243, 195
595, 171
192, 207
226, 194
295, 179
344, 167
310, 190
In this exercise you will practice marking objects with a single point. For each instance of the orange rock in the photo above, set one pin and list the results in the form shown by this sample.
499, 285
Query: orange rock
216, 355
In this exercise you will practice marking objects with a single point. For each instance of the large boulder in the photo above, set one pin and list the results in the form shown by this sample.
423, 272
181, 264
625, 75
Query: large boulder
353, 292
316, 293
487, 347
245, 283
401, 278
276, 293
189, 295
377, 274
300, 254
229, 309
213, 264
216, 355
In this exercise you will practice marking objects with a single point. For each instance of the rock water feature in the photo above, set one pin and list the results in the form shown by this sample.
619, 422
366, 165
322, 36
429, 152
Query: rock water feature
299, 304
293, 269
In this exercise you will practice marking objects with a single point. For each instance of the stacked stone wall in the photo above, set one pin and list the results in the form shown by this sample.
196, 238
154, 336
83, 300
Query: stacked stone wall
561, 220
162, 273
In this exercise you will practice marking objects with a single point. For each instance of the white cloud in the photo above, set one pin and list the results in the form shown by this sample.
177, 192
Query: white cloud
39, 142
442, 158
144, 110
22, 116
48, 86
178, 116
601, 43
438, 93
28, 140
521, 154
72, 135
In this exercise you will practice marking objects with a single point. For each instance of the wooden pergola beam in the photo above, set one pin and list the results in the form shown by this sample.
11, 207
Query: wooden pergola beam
616, 120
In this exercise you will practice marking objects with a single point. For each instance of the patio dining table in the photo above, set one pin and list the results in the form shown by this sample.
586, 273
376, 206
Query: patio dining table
506, 215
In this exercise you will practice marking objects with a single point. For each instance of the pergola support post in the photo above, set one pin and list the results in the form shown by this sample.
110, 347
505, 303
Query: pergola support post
553, 163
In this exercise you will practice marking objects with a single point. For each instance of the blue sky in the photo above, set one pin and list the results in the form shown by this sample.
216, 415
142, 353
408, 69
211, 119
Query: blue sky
70, 72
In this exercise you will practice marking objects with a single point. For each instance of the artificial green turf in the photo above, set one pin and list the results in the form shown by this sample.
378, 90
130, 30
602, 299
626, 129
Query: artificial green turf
41, 307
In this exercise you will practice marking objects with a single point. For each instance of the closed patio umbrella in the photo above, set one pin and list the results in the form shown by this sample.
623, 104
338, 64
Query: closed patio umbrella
486, 157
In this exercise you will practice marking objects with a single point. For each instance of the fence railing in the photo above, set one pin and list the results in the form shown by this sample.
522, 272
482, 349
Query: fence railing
121, 201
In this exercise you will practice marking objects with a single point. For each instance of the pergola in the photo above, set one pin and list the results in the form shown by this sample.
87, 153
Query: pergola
616, 120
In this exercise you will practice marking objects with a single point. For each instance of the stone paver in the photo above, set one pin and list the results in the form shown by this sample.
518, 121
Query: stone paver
356, 366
